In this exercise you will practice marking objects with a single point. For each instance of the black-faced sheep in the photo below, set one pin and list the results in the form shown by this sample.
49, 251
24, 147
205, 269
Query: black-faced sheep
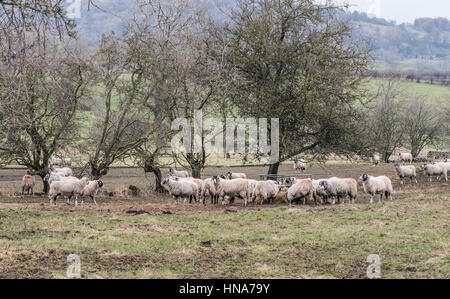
91, 190
184, 189
69, 188
299, 165
438, 169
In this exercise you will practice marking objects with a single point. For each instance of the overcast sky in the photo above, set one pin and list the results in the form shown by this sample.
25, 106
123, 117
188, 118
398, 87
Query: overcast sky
403, 10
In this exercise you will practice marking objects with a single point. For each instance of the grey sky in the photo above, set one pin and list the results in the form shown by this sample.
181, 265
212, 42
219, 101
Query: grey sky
403, 10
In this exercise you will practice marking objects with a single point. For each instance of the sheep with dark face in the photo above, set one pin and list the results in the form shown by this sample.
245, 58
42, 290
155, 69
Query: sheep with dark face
69, 188
91, 190
28, 183
405, 172
179, 174
377, 185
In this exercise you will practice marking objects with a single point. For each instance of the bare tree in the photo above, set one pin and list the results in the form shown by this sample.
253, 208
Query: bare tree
386, 126
116, 129
42, 85
424, 124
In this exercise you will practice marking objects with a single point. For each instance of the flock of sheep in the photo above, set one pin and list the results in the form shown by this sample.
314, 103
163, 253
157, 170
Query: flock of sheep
232, 186
63, 183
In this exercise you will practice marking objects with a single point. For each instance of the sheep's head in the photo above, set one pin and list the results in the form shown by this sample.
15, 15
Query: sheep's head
46, 177
223, 177
171, 170
216, 179
100, 184
364, 177
396, 165
424, 166
165, 182
323, 185
229, 174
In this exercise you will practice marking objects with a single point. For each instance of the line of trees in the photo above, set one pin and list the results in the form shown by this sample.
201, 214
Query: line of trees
287, 59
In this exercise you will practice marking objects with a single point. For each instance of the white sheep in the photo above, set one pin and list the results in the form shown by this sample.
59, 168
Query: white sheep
405, 157
265, 190
91, 190
406, 171
319, 192
28, 183
340, 188
69, 188
179, 174
209, 191
376, 159
438, 169
231, 176
66, 171
177, 188
377, 185
55, 176
199, 183
299, 165
230, 189
303, 189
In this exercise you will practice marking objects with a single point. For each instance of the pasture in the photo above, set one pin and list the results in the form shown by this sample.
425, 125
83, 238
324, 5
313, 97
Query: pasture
147, 236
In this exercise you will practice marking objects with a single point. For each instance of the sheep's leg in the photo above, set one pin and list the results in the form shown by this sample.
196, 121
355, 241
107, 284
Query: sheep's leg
93, 199
175, 199
381, 197
76, 200
371, 198
415, 179
401, 180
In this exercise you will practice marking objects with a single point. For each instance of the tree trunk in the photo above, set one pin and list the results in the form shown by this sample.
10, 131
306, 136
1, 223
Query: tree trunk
196, 172
273, 168
46, 185
158, 179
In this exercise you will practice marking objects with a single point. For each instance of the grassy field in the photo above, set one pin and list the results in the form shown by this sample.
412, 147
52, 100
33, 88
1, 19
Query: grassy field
150, 237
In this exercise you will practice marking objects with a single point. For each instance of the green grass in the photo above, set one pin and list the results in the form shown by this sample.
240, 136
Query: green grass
136, 238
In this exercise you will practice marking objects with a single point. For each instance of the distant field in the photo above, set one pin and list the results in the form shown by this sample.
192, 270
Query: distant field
150, 237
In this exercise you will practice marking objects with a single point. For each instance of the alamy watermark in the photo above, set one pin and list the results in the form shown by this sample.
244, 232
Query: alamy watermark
236, 136
74, 268
374, 269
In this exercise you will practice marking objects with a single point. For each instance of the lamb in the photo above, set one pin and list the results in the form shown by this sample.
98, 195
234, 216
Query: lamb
70, 188
177, 188
265, 190
377, 185
340, 188
406, 171
209, 191
66, 171
299, 165
301, 189
376, 159
438, 169
232, 176
179, 174
229, 189
319, 192
91, 190
28, 183
405, 157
